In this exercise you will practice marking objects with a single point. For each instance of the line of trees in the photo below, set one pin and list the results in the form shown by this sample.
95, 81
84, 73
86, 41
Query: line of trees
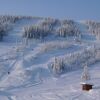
58, 66
75, 60
6, 24
68, 28
94, 28
52, 26
35, 31
7, 21
41, 30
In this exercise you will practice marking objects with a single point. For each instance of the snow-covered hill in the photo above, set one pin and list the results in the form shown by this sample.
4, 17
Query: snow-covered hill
26, 64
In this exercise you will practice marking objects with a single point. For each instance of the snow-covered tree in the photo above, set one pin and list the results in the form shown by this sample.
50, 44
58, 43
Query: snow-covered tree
85, 74
6, 24
94, 28
68, 28
58, 66
36, 32
1, 35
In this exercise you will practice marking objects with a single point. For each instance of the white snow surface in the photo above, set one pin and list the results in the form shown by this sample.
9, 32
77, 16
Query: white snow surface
29, 77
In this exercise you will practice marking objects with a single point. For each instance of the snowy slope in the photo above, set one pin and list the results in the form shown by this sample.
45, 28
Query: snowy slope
67, 87
25, 73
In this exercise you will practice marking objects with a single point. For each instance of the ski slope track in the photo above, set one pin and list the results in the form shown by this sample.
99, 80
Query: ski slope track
25, 69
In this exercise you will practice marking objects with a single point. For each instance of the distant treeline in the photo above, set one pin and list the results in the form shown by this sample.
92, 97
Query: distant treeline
7, 21
94, 28
49, 26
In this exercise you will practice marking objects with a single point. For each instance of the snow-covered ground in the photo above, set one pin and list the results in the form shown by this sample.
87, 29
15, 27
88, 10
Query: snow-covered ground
24, 71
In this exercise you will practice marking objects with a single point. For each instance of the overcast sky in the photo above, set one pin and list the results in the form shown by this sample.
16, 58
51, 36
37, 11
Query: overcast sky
73, 9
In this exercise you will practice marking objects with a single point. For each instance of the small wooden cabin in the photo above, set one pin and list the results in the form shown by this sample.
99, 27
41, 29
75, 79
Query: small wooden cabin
87, 87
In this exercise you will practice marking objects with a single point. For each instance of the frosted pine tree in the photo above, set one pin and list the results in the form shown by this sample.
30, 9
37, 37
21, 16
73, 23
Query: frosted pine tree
85, 75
